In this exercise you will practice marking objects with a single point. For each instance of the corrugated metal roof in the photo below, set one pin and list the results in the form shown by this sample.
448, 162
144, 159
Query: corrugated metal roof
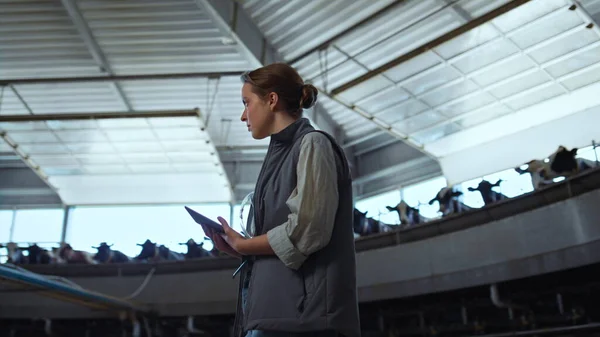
159, 37
39, 39
391, 34
294, 27
537, 51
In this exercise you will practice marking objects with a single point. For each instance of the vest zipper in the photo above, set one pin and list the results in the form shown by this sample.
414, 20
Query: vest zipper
248, 267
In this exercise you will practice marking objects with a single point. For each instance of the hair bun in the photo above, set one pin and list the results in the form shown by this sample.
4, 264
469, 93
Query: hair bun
309, 96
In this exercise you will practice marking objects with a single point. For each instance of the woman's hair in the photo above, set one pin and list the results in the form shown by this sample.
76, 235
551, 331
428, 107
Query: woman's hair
287, 83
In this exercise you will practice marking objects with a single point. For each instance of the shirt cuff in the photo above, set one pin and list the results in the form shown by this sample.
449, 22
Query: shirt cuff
284, 248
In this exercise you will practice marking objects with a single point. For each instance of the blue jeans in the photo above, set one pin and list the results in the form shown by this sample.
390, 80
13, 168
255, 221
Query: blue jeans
259, 333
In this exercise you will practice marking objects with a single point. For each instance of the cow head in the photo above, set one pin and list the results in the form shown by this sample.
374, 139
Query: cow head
445, 197
163, 252
149, 250
485, 188
65, 251
359, 221
195, 249
562, 161
406, 213
104, 252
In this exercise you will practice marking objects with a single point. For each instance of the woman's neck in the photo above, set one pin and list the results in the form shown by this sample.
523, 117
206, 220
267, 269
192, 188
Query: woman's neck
282, 121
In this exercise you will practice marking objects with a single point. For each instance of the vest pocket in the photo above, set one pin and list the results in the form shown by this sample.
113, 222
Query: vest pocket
276, 291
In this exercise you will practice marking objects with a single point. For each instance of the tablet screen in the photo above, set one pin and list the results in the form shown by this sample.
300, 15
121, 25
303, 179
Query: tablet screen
202, 220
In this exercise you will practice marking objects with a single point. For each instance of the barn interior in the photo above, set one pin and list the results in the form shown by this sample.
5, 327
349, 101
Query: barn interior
457, 118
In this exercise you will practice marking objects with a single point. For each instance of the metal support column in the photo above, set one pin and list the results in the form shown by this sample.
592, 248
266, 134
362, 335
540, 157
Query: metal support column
11, 233
65, 225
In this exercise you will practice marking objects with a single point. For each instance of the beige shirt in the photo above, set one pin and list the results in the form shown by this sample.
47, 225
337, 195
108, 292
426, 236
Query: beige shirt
313, 204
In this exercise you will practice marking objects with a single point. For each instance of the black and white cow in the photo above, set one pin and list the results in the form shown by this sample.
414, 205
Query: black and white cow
195, 250
152, 252
561, 163
166, 254
148, 253
107, 255
364, 225
66, 254
447, 198
488, 195
409, 216
14, 253
38, 255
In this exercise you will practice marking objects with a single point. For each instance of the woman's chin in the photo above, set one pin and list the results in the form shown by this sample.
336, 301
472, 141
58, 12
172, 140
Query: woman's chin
257, 135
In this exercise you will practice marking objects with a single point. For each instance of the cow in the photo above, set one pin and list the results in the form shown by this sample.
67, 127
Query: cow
364, 225
488, 195
195, 250
561, 163
166, 254
14, 253
152, 252
107, 255
447, 198
38, 255
71, 256
409, 216
149, 251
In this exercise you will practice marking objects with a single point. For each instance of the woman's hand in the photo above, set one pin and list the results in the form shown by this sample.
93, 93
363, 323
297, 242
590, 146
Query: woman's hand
231, 237
229, 242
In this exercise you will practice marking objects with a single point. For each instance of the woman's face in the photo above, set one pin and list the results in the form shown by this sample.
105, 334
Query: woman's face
257, 113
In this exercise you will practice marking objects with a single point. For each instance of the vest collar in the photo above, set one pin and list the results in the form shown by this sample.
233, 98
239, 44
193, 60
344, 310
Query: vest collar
290, 133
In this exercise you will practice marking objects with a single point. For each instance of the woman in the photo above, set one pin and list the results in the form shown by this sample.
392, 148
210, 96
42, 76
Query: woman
299, 276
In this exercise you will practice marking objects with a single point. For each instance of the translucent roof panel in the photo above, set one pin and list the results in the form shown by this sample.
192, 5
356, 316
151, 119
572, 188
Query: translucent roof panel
130, 161
397, 28
532, 54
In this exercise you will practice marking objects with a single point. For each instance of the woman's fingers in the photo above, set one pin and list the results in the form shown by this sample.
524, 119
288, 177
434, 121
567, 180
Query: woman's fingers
224, 223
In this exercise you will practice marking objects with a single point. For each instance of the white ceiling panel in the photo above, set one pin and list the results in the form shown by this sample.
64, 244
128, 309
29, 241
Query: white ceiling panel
141, 188
75, 160
402, 111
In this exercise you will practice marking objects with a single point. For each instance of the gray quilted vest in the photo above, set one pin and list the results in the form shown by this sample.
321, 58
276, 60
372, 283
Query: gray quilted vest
321, 294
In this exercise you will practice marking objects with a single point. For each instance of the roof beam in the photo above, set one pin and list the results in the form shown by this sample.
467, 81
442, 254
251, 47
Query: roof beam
114, 78
233, 21
99, 115
88, 38
392, 167
432, 44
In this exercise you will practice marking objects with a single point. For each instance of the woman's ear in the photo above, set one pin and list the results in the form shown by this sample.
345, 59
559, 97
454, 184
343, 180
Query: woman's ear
273, 99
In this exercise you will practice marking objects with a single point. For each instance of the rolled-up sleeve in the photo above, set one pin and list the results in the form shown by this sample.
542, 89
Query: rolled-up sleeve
313, 204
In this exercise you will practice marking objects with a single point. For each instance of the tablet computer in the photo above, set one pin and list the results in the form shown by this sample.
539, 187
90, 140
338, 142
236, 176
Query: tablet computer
202, 220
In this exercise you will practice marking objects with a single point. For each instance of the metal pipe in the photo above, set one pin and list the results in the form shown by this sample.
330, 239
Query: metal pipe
190, 326
594, 146
495, 297
559, 302
136, 330
464, 315
48, 326
67, 292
